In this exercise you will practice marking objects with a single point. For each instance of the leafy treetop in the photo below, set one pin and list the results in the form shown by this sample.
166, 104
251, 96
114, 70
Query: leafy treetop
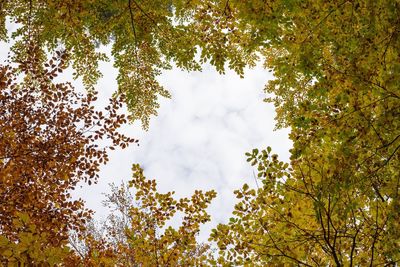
48, 143
146, 37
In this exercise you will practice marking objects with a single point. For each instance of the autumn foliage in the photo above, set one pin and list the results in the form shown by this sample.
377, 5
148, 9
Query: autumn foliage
336, 75
47, 145
335, 66
136, 233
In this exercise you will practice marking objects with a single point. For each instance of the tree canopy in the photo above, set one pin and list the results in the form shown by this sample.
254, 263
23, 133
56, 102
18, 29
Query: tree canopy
335, 67
146, 37
47, 145
336, 74
137, 231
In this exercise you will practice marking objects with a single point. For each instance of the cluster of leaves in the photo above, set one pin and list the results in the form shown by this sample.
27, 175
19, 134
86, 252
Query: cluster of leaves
335, 65
299, 216
48, 143
33, 247
146, 37
136, 232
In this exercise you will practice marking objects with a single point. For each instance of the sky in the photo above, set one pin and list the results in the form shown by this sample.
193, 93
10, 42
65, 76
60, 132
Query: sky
197, 141
199, 138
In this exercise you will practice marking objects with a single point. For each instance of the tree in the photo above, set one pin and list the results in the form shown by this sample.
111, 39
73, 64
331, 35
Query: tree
48, 136
136, 233
298, 216
335, 67
146, 36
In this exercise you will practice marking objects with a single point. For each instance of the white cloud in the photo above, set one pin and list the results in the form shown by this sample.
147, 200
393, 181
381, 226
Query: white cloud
199, 139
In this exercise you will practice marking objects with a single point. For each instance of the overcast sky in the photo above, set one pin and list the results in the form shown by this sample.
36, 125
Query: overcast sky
199, 138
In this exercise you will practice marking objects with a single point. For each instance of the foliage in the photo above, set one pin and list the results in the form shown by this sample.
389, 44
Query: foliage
136, 233
146, 37
335, 66
48, 144
298, 216
336, 72
32, 248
